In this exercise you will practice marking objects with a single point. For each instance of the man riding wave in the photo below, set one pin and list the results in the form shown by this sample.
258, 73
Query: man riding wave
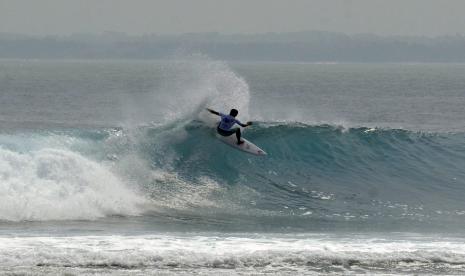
225, 127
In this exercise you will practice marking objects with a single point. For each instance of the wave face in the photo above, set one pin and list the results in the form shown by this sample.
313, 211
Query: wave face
326, 173
313, 175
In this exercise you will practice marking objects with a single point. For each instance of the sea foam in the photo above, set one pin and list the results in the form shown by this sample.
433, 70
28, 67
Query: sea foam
58, 184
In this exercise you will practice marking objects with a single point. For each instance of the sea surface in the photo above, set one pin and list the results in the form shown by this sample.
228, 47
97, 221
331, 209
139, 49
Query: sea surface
113, 167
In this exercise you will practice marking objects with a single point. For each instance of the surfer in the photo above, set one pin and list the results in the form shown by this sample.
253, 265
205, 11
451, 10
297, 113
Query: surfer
227, 122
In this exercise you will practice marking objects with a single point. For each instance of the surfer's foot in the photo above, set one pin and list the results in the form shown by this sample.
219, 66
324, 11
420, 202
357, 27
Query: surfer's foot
240, 142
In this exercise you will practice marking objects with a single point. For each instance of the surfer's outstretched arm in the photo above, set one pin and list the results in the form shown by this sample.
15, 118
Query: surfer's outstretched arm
244, 125
213, 111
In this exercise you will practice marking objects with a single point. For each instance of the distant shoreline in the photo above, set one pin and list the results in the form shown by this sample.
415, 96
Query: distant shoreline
313, 47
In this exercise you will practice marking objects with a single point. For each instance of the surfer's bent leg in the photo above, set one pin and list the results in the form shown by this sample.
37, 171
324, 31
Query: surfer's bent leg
238, 136
223, 132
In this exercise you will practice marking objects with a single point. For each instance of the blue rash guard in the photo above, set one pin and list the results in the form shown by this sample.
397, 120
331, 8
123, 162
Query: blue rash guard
228, 121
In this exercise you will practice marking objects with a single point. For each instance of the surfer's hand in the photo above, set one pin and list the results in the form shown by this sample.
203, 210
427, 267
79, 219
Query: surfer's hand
212, 111
249, 123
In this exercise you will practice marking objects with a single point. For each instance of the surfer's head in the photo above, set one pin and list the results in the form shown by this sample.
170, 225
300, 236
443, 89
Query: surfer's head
233, 112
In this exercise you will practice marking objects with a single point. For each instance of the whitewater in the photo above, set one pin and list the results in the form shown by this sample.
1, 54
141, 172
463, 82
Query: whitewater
112, 167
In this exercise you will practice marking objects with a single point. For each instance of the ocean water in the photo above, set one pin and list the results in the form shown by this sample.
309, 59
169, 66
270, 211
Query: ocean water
112, 167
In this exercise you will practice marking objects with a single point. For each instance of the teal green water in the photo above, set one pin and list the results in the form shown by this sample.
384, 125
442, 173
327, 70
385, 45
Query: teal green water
91, 150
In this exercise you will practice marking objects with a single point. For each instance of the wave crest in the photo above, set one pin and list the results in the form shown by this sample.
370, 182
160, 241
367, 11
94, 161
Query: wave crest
55, 184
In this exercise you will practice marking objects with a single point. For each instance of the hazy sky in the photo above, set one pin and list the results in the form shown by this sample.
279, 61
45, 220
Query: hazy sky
385, 17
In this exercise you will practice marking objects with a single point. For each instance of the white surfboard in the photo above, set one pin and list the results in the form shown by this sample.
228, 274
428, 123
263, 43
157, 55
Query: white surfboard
247, 146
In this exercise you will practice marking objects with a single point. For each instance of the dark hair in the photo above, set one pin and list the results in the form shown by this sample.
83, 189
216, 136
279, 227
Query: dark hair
233, 112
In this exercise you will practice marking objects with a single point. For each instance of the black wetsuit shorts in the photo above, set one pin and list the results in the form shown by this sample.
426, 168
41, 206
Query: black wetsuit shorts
223, 132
